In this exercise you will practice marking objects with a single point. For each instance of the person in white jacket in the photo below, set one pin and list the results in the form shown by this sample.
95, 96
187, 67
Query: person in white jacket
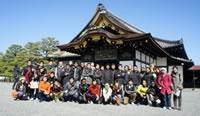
107, 94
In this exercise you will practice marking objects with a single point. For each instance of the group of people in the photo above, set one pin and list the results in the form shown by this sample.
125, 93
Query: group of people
91, 83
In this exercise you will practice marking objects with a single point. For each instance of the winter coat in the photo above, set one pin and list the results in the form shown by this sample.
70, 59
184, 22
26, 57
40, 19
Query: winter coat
65, 75
88, 75
58, 73
119, 77
94, 91
107, 77
177, 80
116, 91
149, 78
45, 86
135, 77
56, 89
71, 89
83, 89
98, 76
21, 87
17, 72
107, 94
130, 89
76, 72
165, 82
142, 90
153, 90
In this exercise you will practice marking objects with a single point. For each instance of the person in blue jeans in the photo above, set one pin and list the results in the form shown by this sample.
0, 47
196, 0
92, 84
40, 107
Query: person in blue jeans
44, 90
83, 92
117, 94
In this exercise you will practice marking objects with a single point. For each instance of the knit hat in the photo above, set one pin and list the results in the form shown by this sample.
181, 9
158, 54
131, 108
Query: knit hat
22, 78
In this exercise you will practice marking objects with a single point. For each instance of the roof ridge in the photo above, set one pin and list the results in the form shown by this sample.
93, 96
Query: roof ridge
169, 41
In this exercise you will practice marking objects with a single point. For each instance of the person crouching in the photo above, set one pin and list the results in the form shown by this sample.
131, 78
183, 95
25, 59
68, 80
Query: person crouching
117, 94
21, 89
107, 94
44, 90
70, 90
153, 94
56, 93
141, 93
83, 92
130, 93
94, 92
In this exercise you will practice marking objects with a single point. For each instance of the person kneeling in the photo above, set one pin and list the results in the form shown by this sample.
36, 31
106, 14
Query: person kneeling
130, 93
20, 90
83, 92
44, 90
70, 90
117, 94
153, 95
107, 94
141, 93
56, 93
94, 92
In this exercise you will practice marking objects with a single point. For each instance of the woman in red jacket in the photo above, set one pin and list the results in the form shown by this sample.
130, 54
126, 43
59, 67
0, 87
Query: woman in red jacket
164, 80
94, 92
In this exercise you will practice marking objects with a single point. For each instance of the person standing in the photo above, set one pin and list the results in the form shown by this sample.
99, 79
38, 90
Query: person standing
88, 74
107, 76
76, 70
135, 77
66, 74
177, 87
28, 67
59, 71
164, 80
17, 72
148, 76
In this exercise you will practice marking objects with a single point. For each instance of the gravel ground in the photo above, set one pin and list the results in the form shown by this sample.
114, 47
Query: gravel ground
9, 107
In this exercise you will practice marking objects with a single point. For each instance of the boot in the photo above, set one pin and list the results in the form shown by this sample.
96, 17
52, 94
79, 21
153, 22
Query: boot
179, 103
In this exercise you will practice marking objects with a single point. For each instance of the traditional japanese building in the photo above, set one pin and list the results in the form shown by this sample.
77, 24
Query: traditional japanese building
109, 39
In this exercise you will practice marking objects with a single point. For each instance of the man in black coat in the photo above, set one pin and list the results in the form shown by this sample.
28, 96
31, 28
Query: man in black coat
134, 76
107, 76
148, 76
88, 73
66, 74
119, 75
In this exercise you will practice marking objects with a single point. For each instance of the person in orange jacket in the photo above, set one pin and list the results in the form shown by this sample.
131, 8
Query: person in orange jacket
44, 90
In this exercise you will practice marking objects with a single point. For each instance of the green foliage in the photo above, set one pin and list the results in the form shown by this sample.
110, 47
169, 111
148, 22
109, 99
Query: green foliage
17, 54
48, 46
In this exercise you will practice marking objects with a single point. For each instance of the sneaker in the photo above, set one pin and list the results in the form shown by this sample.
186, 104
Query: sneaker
91, 102
31, 99
170, 108
164, 108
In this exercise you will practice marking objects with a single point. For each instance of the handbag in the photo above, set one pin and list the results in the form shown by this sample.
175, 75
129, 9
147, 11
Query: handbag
34, 85
15, 94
